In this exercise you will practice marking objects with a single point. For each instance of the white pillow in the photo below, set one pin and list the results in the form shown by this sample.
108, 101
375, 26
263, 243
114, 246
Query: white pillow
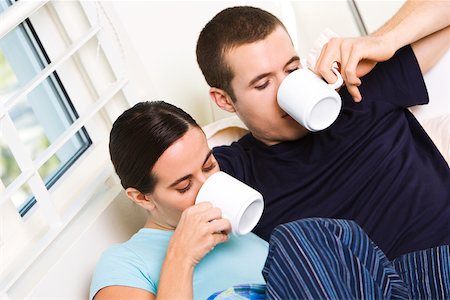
228, 130
438, 128
224, 131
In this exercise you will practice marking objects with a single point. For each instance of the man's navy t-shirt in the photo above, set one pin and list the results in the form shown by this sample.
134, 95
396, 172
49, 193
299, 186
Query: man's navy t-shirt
375, 165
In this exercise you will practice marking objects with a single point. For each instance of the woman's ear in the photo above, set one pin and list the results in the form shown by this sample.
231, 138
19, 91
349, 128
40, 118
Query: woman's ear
141, 199
222, 99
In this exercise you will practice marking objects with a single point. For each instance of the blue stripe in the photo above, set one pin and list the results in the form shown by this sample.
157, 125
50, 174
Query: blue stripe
426, 272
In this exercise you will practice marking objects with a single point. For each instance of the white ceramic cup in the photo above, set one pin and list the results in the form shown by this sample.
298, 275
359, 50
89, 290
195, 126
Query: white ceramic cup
309, 100
239, 203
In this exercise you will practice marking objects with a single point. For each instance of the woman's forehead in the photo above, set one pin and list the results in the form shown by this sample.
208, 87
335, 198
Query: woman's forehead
183, 157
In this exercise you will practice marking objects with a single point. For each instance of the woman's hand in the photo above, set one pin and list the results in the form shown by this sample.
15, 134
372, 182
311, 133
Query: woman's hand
356, 57
199, 230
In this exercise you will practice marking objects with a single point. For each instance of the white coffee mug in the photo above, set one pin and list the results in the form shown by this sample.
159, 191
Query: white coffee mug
239, 203
309, 100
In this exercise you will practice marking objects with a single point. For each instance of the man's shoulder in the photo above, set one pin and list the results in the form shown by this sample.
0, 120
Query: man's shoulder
240, 145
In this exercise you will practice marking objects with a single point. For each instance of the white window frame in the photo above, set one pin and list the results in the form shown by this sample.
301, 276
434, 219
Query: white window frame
90, 64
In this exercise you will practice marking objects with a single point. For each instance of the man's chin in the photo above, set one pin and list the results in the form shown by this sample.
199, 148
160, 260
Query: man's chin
296, 132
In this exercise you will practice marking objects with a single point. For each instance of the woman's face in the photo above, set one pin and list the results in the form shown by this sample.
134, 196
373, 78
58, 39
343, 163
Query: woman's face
180, 172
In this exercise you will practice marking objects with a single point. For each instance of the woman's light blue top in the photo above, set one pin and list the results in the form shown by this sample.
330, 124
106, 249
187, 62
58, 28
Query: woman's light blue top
137, 263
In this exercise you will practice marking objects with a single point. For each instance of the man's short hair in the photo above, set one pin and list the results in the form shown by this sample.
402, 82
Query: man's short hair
232, 27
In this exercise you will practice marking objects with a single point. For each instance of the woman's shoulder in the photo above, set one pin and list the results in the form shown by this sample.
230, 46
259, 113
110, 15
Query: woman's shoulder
145, 245
135, 263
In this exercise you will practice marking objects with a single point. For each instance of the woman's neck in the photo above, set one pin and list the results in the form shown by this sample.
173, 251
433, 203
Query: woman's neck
150, 223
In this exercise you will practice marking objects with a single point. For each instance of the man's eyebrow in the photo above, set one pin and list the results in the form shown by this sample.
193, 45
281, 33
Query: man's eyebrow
189, 175
294, 58
254, 80
257, 78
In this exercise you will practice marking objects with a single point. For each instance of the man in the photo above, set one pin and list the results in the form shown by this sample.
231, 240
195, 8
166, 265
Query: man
375, 164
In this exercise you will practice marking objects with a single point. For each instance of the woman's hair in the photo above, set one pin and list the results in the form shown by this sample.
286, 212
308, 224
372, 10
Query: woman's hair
139, 137
232, 27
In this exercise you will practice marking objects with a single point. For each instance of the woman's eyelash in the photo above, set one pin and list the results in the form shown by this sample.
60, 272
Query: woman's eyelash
185, 189
188, 187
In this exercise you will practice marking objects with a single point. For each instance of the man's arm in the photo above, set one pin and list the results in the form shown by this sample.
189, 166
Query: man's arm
430, 49
424, 24
410, 25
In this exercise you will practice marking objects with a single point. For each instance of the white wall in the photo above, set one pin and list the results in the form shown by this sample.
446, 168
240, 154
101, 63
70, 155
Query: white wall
78, 249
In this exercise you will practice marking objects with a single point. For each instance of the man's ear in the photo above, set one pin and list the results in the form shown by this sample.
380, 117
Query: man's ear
222, 99
141, 199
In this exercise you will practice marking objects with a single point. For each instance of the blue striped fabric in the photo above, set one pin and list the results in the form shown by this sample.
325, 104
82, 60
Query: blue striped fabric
329, 259
426, 273
334, 259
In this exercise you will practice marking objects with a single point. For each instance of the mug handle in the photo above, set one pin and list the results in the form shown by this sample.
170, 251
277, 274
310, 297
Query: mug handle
339, 80
335, 85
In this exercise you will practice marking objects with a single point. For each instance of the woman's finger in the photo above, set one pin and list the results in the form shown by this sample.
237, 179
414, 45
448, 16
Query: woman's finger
213, 213
219, 238
219, 225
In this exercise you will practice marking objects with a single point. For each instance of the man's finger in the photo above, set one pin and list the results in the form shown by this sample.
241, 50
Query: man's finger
346, 52
354, 91
350, 68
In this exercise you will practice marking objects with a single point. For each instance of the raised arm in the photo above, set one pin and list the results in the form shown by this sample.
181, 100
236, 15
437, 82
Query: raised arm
424, 24
194, 237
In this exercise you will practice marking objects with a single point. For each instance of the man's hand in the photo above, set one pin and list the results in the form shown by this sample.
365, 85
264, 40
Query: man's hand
355, 56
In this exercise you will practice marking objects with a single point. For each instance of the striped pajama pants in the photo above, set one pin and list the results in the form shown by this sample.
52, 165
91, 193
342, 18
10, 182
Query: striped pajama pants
334, 259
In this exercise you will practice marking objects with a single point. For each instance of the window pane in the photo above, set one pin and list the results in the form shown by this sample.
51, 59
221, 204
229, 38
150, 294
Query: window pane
41, 116
9, 169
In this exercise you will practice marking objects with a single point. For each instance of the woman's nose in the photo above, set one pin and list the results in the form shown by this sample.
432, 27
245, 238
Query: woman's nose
202, 178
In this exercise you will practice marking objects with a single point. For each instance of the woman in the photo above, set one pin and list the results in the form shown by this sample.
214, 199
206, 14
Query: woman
162, 159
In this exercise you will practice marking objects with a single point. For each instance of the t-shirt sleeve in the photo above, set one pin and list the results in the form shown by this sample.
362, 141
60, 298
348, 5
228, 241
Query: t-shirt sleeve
120, 266
398, 81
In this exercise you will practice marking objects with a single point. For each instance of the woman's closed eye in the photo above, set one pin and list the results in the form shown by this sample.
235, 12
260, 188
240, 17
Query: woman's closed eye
187, 184
184, 187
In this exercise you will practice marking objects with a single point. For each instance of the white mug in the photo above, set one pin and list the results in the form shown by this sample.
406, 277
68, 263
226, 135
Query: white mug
309, 100
239, 203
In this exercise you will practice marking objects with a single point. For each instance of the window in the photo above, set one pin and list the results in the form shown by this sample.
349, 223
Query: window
60, 90
39, 117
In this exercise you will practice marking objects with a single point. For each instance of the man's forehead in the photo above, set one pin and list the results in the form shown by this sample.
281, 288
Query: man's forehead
250, 60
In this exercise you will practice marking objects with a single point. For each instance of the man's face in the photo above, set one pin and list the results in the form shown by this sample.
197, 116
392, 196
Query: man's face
258, 70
